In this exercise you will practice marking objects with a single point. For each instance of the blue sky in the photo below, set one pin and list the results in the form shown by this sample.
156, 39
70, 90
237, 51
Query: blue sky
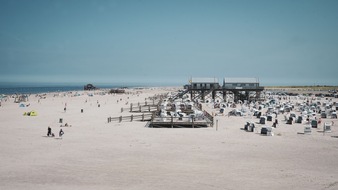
166, 42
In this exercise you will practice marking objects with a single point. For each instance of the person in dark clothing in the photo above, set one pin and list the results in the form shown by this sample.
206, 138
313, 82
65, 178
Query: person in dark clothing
274, 124
49, 131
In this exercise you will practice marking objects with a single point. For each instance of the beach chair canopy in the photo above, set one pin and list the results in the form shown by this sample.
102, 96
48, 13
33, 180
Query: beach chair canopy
265, 130
22, 105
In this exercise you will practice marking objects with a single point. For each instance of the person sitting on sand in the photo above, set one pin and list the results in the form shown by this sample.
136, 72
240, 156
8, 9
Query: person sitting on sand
61, 133
274, 124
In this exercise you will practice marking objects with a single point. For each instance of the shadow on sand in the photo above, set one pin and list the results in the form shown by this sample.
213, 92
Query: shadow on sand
57, 138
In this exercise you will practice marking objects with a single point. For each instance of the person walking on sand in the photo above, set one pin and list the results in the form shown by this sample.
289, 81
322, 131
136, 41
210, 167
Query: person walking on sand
49, 131
61, 133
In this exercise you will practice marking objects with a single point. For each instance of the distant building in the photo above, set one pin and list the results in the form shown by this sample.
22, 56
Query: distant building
204, 83
89, 87
240, 83
117, 91
209, 88
242, 88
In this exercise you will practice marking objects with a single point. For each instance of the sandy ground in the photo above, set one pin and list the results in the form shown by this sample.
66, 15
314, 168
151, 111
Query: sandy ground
94, 154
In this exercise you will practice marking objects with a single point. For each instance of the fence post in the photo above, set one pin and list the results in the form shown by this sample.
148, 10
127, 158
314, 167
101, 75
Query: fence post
121, 110
131, 117
120, 119
108, 120
172, 122
131, 107
149, 108
152, 119
142, 117
212, 121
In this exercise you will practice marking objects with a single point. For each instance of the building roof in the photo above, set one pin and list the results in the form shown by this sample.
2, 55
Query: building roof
241, 80
204, 80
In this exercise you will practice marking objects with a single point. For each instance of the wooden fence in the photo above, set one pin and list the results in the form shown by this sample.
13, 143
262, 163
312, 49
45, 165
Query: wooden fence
142, 117
142, 107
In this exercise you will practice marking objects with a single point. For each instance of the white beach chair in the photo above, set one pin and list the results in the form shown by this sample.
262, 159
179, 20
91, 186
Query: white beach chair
307, 129
327, 128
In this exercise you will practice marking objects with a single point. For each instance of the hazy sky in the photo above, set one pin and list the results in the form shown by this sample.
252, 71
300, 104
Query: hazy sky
95, 41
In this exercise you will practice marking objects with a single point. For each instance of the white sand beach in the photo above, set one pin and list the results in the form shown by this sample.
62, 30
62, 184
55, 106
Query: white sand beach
95, 154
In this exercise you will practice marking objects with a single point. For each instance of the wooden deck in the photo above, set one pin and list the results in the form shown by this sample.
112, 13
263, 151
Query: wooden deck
155, 121
165, 122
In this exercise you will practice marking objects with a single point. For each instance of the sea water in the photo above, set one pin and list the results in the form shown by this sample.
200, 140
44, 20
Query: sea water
37, 90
